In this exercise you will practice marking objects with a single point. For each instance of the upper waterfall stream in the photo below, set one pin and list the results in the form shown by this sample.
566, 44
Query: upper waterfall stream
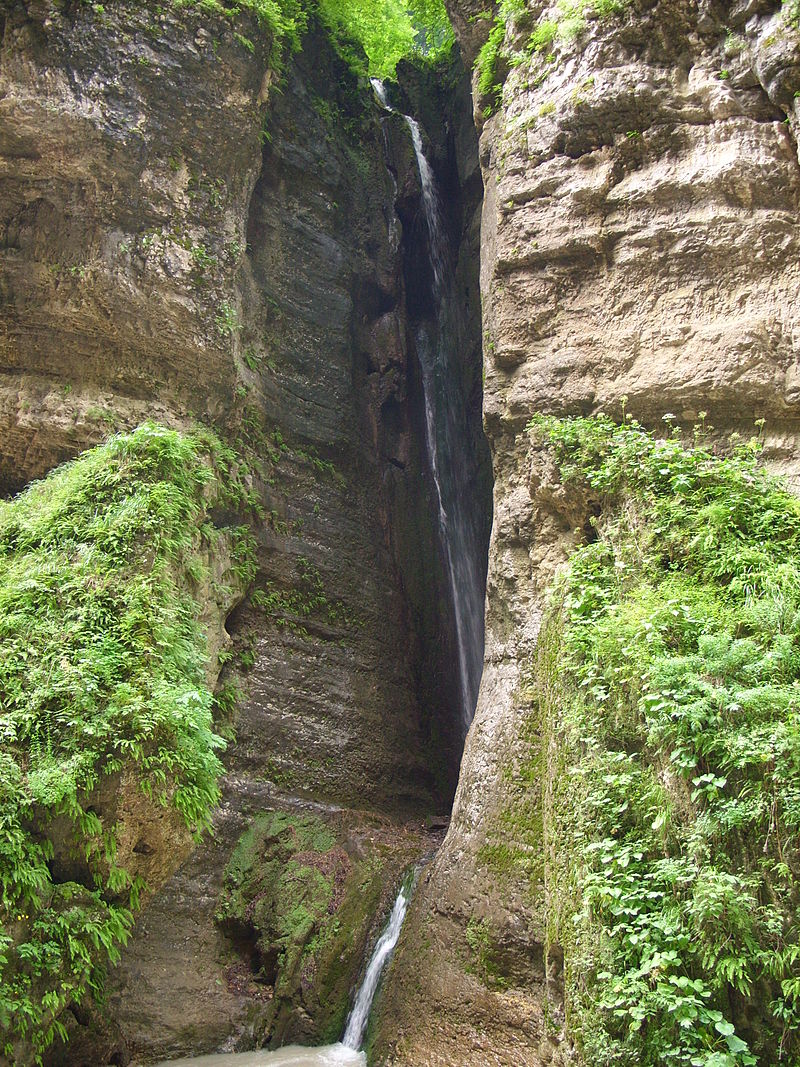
438, 335
438, 343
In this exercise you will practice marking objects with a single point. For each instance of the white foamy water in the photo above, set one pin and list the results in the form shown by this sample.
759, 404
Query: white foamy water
359, 1016
291, 1056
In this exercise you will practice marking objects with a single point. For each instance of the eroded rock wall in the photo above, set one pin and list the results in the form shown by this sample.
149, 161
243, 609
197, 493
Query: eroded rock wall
639, 253
124, 201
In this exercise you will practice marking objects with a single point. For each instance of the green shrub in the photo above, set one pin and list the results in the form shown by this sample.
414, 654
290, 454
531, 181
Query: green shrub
486, 64
386, 30
544, 35
102, 667
669, 678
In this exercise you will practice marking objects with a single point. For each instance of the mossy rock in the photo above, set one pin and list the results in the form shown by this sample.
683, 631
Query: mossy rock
115, 583
300, 898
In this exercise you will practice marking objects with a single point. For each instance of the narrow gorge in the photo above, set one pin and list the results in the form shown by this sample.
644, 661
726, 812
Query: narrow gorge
398, 539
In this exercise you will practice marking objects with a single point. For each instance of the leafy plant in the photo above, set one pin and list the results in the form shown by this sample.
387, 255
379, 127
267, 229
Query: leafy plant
386, 30
570, 23
226, 319
389, 30
669, 680
102, 667
489, 83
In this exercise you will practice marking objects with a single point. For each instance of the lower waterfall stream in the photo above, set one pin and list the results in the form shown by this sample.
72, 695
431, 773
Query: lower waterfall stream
359, 1017
347, 1053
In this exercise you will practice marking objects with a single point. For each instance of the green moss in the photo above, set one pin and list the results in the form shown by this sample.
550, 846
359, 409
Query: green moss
102, 667
543, 36
307, 907
668, 678
514, 851
478, 935
570, 23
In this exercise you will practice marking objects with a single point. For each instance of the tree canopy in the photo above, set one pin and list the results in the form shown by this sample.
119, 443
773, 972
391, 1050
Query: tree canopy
388, 30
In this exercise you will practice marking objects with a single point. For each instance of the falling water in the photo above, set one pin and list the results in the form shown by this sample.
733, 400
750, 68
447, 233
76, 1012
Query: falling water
445, 429
359, 1016
438, 346
347, 1053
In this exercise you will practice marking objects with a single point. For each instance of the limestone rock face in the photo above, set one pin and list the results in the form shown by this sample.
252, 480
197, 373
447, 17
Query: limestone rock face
122, 220
639, 252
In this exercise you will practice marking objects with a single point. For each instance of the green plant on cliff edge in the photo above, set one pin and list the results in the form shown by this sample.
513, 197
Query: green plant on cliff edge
386, 30
284, 20
102, 668
488, 59
571, 20
669, 684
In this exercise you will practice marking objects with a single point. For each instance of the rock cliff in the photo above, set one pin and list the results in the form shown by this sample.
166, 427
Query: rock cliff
639, 251
190, 234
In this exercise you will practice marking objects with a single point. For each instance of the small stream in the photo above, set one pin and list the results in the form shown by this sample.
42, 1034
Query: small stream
359, 1017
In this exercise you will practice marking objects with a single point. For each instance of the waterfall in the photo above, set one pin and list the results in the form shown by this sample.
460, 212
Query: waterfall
438, 346
359, 1017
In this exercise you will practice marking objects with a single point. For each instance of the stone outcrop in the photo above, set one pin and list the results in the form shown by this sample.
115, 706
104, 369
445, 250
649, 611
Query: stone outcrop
122, 221
179, 241
639, 253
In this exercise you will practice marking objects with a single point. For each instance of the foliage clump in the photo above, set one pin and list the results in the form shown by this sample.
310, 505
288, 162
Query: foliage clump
569, 23
669, 678
389, 30
487, 63
386, 30
102, 668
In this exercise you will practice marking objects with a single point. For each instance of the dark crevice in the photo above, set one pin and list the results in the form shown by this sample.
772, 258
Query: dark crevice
450, 146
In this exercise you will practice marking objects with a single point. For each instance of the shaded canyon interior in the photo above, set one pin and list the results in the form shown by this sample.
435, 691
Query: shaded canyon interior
185, 237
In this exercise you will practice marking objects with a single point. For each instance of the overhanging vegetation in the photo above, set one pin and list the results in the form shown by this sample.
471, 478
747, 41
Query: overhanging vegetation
669, 689
105, 568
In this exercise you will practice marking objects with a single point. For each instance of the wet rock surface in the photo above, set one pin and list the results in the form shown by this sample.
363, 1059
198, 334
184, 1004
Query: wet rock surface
639, 253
